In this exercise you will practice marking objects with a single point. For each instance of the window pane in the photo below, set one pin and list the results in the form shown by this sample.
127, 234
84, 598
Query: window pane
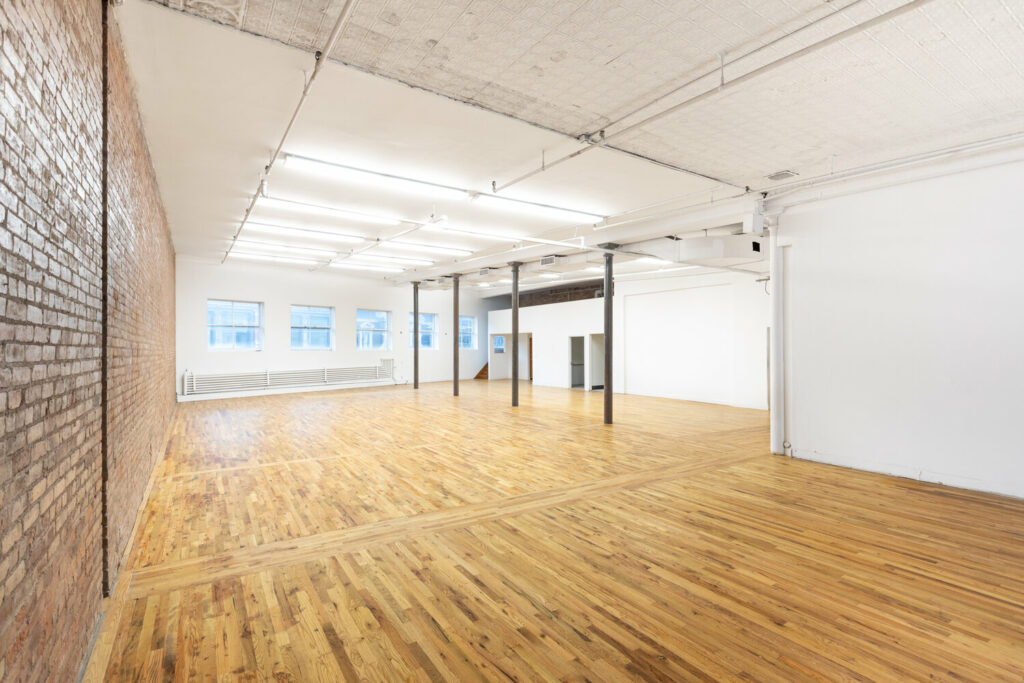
297, 338
465, 341
319, 339
218, 313
466, 324
222, 337
372, 320
319, 317
246, 313
499, 345
245, 337
298, 316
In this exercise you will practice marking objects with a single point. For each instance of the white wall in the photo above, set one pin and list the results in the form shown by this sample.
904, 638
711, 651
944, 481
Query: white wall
278, 288
699, 338
905, 329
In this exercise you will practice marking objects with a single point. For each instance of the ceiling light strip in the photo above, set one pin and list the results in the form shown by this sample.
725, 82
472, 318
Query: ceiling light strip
320, 58
344, 172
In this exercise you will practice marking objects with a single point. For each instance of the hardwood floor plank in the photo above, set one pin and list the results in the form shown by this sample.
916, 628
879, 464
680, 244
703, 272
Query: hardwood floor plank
306, 538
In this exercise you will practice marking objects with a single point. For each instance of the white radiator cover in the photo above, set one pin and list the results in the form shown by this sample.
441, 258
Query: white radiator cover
276, 379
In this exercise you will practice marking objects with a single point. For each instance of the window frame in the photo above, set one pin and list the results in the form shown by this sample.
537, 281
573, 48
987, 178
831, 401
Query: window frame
386, 330
494, 343
259, 327
292, 327
435, 332
474, 337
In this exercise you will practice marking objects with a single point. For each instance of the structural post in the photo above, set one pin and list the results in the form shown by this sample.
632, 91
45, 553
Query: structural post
416, 335
776, 347
104, 306
455, 335
608, 289
515, 332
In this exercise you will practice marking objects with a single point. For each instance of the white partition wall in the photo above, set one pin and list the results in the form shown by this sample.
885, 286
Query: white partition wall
698, 338
905, 329
278, 288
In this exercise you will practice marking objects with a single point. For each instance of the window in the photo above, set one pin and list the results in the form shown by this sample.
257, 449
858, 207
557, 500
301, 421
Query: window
428, 330
312, 327
234, 325
499, 345
467, 332
373, 330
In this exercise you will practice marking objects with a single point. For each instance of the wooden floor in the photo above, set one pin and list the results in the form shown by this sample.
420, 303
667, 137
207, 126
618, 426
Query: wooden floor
386, 534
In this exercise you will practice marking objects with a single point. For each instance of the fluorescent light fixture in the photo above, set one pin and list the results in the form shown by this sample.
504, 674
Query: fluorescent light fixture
395, 259
277, 246
308, 233
442, 227
549, 276
659, 271
504, 282
270, 257
359, 266
363, 176
536, 209
593, 269
484, 284
654, 261
428, 248
319, 210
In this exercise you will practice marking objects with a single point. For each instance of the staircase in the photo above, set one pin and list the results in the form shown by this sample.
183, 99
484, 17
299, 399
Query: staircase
483, 372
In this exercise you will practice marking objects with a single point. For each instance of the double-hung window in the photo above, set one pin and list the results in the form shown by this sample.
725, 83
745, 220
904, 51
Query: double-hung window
312, 328
234, 325
373, 330
467, 332
499, 344
428, 330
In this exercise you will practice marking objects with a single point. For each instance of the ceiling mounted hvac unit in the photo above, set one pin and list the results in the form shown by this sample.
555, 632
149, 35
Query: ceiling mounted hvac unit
550, 261
724, 250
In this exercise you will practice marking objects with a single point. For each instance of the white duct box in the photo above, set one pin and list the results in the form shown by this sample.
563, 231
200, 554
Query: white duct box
724, 250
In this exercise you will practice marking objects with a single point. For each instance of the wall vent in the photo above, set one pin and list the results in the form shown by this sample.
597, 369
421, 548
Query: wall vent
782, 175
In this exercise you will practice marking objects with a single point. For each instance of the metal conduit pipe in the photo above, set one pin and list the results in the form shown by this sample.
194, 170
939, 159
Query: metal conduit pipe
727, 85
321, 58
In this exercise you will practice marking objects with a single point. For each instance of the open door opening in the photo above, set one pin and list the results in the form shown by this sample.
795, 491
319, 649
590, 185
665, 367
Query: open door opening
596, 378
577, 363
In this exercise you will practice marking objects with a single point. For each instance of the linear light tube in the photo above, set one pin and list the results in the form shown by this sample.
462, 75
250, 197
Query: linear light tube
395, 259
360, 266
317, 209
270, 257
428, 248
536, 209
373, 178
308, 233
277, 246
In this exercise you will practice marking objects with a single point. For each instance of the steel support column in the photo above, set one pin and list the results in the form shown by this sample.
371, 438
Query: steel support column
416, 335
455, 335
608, 291
515, 332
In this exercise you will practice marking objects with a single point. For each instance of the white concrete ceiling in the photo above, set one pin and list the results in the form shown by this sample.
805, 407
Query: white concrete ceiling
215, 100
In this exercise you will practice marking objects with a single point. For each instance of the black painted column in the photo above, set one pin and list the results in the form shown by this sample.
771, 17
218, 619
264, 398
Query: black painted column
415, 335
515, 332
608, 288
455, 335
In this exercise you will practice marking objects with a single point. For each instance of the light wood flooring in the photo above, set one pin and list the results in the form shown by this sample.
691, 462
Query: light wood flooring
388, 534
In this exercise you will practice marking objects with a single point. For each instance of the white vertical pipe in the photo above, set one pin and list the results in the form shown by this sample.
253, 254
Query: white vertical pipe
777, 383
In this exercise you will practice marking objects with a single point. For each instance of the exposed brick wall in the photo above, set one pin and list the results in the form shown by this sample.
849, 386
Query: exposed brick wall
141, 387
50, 345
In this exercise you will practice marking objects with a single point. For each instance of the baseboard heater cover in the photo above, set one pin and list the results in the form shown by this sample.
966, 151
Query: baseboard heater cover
275, 379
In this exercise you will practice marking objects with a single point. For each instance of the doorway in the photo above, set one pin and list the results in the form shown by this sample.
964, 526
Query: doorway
577, 363
596, 378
